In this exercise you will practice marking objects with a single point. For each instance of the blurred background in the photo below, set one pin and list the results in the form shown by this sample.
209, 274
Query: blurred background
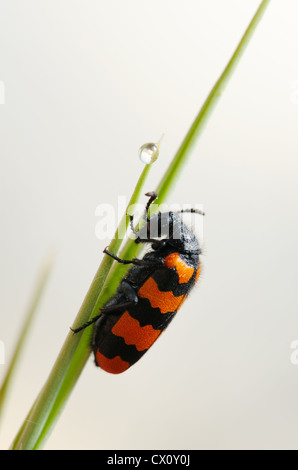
83, 86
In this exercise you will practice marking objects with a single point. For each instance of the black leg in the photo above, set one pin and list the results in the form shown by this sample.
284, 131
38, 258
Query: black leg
88, 323
132, 299
112, 308
135, 261
119, 260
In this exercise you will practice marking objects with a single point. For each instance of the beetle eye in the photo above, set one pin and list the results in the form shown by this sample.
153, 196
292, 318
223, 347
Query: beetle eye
159, 244
155, 245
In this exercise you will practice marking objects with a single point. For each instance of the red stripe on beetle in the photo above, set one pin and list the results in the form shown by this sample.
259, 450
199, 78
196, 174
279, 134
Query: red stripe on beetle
114, 366
165, 301
184, 271
142, 337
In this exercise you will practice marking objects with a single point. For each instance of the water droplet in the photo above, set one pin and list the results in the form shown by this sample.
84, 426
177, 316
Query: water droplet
148, 153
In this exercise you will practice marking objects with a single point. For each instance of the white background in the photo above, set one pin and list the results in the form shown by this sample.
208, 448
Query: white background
86, 84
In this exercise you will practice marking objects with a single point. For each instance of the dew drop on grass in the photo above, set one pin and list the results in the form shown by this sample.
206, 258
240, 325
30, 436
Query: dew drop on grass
148, 153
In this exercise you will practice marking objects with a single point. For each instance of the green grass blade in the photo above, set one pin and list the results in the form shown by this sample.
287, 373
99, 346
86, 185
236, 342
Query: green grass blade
74, 352
76, 349
32, 311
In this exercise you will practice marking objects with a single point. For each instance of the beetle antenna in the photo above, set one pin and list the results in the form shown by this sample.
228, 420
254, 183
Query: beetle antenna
193, 211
